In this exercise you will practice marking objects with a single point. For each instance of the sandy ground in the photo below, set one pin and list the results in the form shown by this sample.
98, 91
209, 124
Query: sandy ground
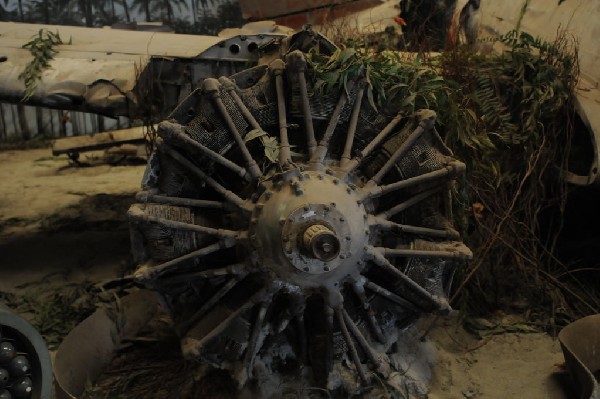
498, 366
68, 224
55, 218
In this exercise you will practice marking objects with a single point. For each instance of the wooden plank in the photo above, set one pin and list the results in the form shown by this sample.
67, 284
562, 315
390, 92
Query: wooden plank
98, 141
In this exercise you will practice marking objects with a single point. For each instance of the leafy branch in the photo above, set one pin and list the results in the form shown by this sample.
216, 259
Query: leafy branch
509, 116
269, 143
42, 49
393, 84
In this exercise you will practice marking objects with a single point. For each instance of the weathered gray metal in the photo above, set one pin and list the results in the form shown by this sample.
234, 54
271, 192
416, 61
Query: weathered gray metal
317, 257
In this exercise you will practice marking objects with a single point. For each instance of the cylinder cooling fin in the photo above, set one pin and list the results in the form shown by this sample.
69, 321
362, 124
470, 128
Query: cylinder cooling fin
295, 232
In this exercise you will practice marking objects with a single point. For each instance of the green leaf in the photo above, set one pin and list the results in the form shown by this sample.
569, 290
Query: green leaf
271, 148
254, 133
472, 114
346, 54
41, 48
370, 98
409, 100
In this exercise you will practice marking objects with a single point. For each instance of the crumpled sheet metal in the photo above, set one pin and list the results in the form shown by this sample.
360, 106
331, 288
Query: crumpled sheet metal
91, 345
580, 342
88, 84
96, 70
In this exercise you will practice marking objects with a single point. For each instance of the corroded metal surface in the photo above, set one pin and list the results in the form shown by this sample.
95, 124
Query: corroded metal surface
296, 233
297, 13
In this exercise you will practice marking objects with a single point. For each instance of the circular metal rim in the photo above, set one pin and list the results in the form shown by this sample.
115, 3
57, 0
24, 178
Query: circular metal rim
35, 347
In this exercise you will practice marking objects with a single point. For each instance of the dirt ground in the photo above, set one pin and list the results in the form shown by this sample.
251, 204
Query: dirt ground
63, 224
510, 365
61, 220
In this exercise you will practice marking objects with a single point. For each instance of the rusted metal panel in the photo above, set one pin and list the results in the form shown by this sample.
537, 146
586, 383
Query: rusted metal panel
297, 13
259, 9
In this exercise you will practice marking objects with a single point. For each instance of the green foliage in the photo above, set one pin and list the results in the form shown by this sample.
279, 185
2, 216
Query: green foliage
515, 144
512, 99
507, 115
393, 84
270, 144
42, 49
